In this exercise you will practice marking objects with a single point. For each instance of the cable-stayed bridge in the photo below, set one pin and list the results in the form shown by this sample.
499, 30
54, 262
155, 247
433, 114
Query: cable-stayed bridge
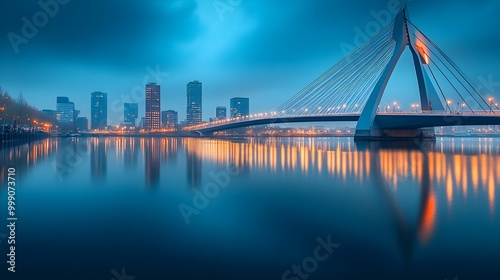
352, 90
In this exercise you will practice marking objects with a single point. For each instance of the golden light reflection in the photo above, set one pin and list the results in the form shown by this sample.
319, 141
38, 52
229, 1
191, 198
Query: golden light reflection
474, 167
449, 188
454, 172
497, 164
484, 169
491, 191
428, 218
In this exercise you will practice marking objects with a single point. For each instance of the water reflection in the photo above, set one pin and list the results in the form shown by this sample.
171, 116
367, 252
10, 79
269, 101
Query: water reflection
192, 149
130, 150
152, 162
386, 203
408, 160
25, 156
98, 159
458, 168
169, 150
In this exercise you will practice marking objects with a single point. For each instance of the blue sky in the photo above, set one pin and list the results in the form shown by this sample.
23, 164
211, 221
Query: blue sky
266, 50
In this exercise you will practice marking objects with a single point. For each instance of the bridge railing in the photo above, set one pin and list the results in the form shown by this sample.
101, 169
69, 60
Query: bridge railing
440, 113
274, 115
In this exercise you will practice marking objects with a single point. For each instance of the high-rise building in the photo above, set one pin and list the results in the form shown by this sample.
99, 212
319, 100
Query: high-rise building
65, 114
221, 112
142, 123
130, 113
65, 110
194, 103
170, 118
240, 107
98, 110
152, 106
81, 124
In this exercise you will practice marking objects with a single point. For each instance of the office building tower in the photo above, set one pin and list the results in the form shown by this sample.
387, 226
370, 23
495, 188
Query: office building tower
98, 110
170, 119
194, 103
240, 107
142, 123
65, 114
130, 113
221, 112
152, 106
82, 124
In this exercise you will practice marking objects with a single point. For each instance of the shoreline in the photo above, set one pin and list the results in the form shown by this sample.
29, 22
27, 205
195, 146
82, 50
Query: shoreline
22, 137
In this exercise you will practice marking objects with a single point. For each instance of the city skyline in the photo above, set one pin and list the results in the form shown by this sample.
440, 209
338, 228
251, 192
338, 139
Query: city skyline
260, 72
67, 114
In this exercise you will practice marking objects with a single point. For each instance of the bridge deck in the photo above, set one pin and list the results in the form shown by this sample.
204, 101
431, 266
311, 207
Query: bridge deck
384, 120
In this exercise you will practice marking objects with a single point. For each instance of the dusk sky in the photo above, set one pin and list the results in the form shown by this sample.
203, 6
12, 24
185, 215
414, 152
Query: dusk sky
266, 50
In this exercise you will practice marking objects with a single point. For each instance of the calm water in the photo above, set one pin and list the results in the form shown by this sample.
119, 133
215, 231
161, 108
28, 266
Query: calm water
167, 208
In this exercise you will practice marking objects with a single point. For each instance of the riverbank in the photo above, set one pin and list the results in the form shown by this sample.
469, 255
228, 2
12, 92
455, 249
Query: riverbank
8, 138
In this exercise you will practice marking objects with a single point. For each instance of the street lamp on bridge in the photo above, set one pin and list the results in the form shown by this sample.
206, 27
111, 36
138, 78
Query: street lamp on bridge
493, 103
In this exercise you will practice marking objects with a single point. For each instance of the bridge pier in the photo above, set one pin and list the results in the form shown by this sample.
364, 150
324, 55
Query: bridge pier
395, 134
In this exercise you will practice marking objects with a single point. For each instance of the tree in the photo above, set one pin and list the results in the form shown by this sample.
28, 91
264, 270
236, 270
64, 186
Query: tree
19, 111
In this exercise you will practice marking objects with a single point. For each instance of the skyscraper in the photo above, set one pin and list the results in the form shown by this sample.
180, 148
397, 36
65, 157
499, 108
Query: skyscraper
194, 103
130, 113
98, 110
152, 106
221, 112
81, 124
170, 118
65, 114
240, 107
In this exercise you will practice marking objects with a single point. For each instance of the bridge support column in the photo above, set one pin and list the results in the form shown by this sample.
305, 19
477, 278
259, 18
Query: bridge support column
367, 128
395, 134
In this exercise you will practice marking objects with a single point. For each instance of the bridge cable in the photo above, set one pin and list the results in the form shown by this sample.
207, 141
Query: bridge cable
319, 88
451, 63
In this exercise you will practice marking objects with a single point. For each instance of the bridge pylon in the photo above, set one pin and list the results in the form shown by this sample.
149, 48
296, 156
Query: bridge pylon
367, 128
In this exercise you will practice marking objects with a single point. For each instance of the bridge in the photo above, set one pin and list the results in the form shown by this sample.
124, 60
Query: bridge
352, 90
